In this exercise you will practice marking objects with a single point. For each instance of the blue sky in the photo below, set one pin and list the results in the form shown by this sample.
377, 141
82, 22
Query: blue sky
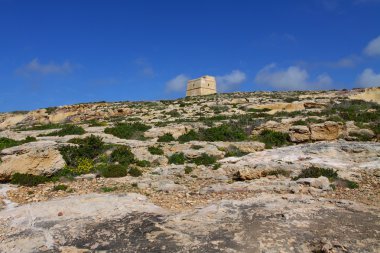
69, 51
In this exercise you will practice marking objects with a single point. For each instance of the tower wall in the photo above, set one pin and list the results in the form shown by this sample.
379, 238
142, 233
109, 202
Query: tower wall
204, 85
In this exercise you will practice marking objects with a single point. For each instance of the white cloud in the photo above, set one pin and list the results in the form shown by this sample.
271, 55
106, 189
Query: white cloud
50, 68
230, 81
145, 67
177, 84
291, 78
373, 47
368, 78
346, 62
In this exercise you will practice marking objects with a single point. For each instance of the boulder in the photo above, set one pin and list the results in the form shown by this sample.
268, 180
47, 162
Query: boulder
326, 131
321, 182
175, 130
36, 158
299, 134
248, 174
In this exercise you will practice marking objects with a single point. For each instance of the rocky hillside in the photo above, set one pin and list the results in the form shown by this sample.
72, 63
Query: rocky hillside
237, 172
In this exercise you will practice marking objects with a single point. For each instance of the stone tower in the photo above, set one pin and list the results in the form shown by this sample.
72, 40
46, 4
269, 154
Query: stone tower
204, 85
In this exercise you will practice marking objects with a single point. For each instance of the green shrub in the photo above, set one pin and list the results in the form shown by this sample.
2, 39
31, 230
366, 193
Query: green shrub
112, 170
89, 147
188, 170
155, 150
122, 155
361, 136
223, 133
234, 151
143, 163
84, 166
352, 184
315, 172
134, 172
177, 158
216, 166
300, 123
67, 130
108, 189
272, 138
196, 147
42, 127
60, 187
166, 138
174, 113
128, 130
28, 179
95, 123
204, 159
189, 136
8, 143
277, 172
258, 110
50, 110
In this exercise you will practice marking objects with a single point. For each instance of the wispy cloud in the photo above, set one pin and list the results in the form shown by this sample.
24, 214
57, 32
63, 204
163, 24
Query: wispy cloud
177, 84
145, 68
368, 78
230, 81
35, 66
291, 78
373, 47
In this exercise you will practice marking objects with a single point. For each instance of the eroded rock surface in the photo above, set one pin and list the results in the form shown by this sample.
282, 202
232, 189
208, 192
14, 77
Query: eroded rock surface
129, 223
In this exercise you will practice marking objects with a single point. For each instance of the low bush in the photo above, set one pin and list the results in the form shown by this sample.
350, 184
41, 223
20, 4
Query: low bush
315, 172
223, 133
108, 189
143, 163
134, 172
189, 136
60, 187
155, 150
361, 136
84, 166
234, 151
300, 123
28, 179
188, 170
273, 138
166, 138
177, 158
277, 172
42, 127
216, 166
122, 155
8, 143
128, 130
89, 147
204, 159
67, 130
112, 170
174, 113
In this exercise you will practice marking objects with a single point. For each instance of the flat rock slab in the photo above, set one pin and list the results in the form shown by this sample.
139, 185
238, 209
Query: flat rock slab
130, 223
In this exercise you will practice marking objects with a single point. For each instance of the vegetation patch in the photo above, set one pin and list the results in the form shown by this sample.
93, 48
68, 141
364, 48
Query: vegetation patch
234, 151
155, 150
128, 130
108, 189
189, 136
67, 130
166, 138
143, 163
188, 170
315, 172
122, 155
28, 179
204, 159
273, 138
177, 158
134, 172
60, 187
277, 172
89, 147
223, 133
42, 127
112, 170
8, 143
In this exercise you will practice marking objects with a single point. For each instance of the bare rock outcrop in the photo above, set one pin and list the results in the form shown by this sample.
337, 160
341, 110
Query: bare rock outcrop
113, 223
328, 130
36, 158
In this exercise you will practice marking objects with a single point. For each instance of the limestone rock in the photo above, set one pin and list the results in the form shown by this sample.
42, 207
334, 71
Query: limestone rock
248, 174
321, 182
326, 131
299, 133
36, 158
